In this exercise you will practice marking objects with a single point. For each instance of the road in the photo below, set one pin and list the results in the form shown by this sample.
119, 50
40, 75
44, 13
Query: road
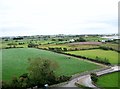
86, 80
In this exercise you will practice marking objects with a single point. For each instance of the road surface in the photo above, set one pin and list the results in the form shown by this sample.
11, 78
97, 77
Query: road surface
86, 80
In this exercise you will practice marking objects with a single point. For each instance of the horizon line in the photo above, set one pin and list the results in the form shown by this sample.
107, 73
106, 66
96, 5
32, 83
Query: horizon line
62, 34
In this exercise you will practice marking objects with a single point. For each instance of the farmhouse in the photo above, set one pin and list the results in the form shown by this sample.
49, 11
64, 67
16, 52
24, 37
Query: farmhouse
103, 41
71, 40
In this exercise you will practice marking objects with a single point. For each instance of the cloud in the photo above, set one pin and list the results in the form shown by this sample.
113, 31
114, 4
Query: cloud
18, 17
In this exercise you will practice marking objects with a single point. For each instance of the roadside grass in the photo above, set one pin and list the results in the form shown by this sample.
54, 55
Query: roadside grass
112, 56
109, 80
15, 62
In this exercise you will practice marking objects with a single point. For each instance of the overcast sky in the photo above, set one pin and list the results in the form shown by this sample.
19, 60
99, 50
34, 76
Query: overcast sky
41, 17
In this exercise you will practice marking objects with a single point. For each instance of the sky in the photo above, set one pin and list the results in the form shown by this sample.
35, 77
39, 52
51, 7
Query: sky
50, 17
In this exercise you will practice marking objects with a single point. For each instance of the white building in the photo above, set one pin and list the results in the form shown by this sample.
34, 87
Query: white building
71, 40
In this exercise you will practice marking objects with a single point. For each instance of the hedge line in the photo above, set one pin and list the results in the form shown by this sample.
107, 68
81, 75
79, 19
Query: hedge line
83, 57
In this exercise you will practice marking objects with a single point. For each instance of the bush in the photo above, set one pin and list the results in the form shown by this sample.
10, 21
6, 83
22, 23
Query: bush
94, 77
80, 40
62, 78
41, 71
60, 39
65, 49
31, 45
5, 85
55, 49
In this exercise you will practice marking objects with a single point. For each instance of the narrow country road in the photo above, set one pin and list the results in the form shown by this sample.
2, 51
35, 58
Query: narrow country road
86, 80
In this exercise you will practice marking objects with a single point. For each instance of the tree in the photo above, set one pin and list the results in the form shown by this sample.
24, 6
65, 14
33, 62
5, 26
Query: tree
10, 44
15, 83
24, 80
13, 44
53, 39
5, 85
65, 49
94, 77
81, 39
42, 71
60, 39
106, 61
32, 45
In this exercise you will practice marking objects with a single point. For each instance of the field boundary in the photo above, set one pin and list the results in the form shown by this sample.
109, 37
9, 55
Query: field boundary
88, 72
86, 58
78, 75
81, 57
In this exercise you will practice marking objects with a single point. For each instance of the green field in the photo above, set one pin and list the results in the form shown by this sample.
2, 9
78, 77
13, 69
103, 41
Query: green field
109, 80
112, 56
111, 45
15, 62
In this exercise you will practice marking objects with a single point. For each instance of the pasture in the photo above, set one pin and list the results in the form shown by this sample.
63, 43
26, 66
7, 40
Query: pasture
109, 80
111, 45
112, 56
15, 62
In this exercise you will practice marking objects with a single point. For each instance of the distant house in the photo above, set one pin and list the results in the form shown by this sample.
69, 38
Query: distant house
71, 40
103, 41
86, 35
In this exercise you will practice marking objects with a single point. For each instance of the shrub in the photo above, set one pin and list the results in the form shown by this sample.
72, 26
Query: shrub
94, 77
65, 49
62, 78
31, 45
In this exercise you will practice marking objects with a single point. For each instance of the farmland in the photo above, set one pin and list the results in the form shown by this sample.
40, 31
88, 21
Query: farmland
113, 46
45, 41
69, 46
109, 80
15, 62
112, 56
18, 51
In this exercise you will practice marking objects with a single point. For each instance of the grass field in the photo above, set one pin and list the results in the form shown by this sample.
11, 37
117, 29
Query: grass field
112, 56
15, 63
109, 80
111, 45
